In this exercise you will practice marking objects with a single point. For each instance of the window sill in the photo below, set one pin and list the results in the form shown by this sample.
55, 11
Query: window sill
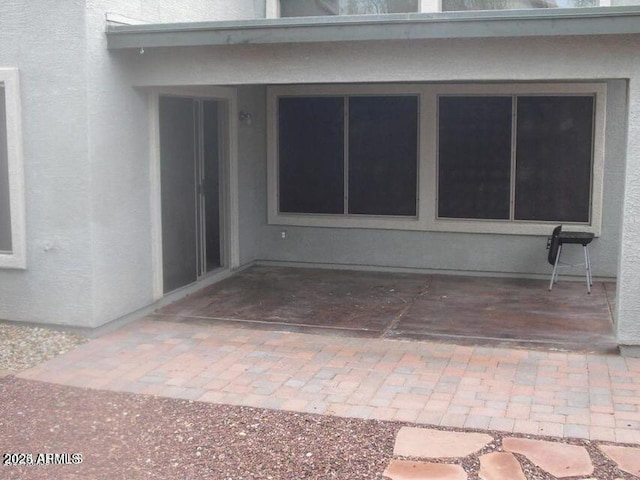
347, 221
507, 227
13, 261
420, 225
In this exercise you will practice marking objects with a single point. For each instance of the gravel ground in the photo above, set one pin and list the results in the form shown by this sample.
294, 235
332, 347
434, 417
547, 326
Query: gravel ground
24, 347
127, 436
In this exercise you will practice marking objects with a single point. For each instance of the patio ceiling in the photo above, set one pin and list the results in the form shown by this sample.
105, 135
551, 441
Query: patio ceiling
414, 26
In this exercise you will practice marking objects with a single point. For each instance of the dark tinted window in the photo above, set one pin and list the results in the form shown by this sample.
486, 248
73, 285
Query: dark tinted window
554, 158
383, 152
5, 212
474, 160
311, 154
308, 8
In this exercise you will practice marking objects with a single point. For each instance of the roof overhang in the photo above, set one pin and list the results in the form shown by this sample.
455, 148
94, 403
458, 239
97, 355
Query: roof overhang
415, 26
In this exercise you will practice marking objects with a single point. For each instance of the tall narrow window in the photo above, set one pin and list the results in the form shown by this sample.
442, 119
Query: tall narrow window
12, 222
554, 156
382, 155
311, 146
5, 198
475, 157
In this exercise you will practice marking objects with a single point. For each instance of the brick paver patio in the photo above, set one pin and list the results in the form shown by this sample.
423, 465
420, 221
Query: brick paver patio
523, 391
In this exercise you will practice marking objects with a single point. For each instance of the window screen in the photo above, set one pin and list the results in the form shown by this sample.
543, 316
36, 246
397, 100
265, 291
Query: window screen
554, 158
552, 137
311, 154
5, 212
457, 5
474, 160
366, 144
377, 7
309, 8
305, 8
383, 143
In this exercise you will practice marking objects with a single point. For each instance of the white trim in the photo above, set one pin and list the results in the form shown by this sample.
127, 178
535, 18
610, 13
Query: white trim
427, 168
430, 6
229, 178
272, 9
17, 258
116, 18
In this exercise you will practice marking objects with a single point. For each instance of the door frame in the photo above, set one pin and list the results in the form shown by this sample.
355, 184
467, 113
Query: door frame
229, 210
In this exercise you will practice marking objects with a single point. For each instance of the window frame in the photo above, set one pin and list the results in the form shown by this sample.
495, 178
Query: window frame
16, 258
427, 189
336, 220
519, 227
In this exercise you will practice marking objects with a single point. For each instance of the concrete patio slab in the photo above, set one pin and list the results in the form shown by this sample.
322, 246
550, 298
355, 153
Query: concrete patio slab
465, 310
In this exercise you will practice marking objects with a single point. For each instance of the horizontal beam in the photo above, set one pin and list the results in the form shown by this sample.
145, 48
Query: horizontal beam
412, 26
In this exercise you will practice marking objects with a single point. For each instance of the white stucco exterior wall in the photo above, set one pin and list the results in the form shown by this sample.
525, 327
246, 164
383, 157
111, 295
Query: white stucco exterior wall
178, 11
628, 302
119, 142
86, 149
57, 284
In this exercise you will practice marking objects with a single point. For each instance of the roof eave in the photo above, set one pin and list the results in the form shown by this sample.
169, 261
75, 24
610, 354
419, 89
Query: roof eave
488, 24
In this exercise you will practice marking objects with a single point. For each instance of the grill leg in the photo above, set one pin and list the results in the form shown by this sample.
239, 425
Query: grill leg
587, 266
554, 274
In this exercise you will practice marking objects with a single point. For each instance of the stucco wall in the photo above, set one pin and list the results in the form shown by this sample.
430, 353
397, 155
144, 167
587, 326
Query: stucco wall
57, 285
500, 254
505, 59
168, 11
628, 301
252, 175
119, 143
86, 158
427, 61
508, 254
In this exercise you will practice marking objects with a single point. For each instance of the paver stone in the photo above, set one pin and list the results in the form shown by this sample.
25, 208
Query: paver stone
408, 470
559, 459
627, 458
430, 443
500, 466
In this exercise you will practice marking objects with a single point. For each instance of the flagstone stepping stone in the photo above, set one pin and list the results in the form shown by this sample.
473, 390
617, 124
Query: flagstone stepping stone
408, 470
500, 466
430, 443
559, 459
627, 458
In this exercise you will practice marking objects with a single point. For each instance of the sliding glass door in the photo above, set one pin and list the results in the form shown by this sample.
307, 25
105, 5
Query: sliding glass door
190, 158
